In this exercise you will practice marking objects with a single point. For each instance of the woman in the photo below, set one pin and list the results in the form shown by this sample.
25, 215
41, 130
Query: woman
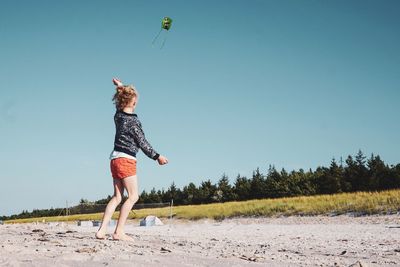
129, 137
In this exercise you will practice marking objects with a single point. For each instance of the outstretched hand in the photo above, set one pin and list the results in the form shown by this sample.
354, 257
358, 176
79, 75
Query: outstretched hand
162, 160
117, 82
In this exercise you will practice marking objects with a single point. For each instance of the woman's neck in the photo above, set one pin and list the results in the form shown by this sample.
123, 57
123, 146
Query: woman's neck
129, 110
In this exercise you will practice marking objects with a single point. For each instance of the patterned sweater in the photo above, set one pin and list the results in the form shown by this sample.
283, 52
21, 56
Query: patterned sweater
129, 136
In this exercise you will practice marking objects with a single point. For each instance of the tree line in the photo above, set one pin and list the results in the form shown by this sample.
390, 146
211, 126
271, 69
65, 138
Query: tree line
357, 173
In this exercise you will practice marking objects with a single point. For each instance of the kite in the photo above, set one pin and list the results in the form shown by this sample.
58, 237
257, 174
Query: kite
165, 25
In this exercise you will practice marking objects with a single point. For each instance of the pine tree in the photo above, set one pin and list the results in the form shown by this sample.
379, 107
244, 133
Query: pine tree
224, 189
242, 188
143, 198
173, 193
275, 186
362, 172
350, 175
258, 185
190, 194
153, 197
207, 192
331, 181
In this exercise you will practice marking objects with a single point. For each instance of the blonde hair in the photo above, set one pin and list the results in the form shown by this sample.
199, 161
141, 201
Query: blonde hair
123, 95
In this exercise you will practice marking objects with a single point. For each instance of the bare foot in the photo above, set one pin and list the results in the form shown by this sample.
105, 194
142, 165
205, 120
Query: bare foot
123, 237
100, 235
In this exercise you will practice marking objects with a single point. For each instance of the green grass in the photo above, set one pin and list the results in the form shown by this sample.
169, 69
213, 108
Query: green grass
359, 203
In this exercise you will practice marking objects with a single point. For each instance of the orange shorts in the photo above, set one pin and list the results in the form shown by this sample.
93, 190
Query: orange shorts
122, 168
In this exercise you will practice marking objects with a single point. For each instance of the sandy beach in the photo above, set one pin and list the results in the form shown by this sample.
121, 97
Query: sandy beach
290, 241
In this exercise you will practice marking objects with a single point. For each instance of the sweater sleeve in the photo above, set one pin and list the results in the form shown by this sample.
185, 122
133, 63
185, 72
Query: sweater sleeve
144, 145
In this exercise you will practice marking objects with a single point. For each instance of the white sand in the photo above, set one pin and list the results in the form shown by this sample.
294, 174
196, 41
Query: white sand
290, 241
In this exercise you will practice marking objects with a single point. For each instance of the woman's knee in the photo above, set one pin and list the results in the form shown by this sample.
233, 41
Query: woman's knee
118, 198
133, 198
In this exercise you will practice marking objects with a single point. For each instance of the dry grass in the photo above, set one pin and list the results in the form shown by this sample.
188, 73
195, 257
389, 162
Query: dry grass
358, 203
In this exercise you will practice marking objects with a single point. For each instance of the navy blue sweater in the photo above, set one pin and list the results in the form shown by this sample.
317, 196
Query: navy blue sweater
129, 136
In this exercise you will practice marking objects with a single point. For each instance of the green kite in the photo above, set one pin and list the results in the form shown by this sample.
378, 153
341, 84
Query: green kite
166, 24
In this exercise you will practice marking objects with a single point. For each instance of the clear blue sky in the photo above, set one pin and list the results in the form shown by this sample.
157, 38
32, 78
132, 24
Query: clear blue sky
238, 85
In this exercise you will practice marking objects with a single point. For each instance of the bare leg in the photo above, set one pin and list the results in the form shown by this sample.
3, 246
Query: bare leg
111, 206
130, 184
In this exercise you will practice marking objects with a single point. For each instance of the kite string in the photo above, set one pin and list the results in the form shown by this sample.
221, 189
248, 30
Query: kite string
165, 38
155, 38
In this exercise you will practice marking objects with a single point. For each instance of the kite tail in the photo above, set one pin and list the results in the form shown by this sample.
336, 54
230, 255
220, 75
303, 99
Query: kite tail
155, 38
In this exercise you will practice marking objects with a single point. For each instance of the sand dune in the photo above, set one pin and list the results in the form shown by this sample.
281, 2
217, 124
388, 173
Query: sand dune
290, 241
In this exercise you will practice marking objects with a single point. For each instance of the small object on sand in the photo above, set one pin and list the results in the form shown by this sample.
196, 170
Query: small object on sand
86, 250
165, 250
150, 220
54, 224
358, 264
343, 252
96, 223
43, 239
37, 230
244, 257
85, 223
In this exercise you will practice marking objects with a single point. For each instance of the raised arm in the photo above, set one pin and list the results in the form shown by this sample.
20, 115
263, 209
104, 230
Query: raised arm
117, 82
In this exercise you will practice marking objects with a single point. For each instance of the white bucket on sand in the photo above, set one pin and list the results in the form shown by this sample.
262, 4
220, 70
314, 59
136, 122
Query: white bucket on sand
150, 221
